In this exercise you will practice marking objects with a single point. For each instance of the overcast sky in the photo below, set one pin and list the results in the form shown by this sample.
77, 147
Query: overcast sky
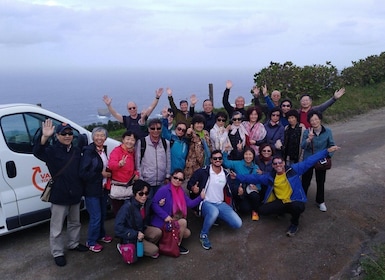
188, 33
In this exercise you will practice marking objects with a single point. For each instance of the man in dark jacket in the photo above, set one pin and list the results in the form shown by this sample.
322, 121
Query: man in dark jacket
62, 160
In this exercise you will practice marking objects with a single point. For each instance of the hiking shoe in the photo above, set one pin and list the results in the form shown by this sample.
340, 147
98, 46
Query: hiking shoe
95, 248
60, 261
322, 207
254, 216
80, 248
292, 230
155, 256
183, 250
106, 239
205, 241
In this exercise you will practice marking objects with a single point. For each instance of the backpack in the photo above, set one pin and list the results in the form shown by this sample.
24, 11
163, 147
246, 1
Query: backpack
143, 146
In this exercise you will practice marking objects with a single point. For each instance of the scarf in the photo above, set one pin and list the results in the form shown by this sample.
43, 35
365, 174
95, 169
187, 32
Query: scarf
242, 132
220, 139
179, 207
201, 134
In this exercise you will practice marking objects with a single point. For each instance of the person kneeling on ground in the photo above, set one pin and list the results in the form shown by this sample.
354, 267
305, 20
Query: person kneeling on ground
284, 188
133, 219
170, 203
214, 180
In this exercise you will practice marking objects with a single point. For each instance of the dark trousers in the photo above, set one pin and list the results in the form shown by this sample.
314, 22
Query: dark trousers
320, 176
248, 202
277, 207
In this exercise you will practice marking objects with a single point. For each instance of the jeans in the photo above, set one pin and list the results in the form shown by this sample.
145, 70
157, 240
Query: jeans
97, 208
295, 208
212, 211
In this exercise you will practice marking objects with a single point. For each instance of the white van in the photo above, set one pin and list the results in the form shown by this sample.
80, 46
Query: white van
23, 176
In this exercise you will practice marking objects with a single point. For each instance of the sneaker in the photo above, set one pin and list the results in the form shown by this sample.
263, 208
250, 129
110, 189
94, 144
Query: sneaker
322, 207
183, 250
254, 216
292, 230
155, 256
106, 239
60, 261
205, 241
95, 248
80, 248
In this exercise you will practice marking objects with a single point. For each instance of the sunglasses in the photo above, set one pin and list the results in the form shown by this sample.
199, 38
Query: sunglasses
266, 151
277, 162
66, 133
171, 115
181, 129
178, 179
143, 193
156, 128
285, 105
131, 108
217, 158
275, 115
237, 119
221, 120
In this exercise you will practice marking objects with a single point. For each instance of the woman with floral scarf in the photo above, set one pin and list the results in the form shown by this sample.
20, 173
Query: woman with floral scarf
255, 130
200, 146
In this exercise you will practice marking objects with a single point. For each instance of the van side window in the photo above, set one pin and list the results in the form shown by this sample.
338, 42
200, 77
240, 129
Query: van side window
19, 131
16, 135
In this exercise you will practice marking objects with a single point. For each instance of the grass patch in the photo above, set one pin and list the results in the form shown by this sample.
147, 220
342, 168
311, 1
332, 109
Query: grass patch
374, 266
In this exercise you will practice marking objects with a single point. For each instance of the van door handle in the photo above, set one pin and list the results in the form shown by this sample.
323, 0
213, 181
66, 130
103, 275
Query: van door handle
11, 169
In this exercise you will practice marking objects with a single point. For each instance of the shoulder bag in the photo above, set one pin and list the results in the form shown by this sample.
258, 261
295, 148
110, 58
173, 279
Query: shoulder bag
47, 190
168, 244
323, 164
121, 190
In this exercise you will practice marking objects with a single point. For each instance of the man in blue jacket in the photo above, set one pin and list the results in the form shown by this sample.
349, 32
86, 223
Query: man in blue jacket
284, 188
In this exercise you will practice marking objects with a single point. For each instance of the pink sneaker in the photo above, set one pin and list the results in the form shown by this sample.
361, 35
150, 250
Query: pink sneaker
106, 239
95, 248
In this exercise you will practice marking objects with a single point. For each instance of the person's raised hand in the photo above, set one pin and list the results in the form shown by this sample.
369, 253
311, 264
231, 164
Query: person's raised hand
339, 93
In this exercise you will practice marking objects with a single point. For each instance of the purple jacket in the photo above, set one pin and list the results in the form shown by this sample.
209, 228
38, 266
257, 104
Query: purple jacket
161, 212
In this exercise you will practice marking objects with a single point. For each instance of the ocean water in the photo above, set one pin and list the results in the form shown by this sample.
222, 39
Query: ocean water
77, 93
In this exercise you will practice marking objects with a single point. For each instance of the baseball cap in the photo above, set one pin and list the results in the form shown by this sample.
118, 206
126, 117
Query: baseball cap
63, 126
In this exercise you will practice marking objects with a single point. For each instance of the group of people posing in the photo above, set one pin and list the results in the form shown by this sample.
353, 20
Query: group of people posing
221, 165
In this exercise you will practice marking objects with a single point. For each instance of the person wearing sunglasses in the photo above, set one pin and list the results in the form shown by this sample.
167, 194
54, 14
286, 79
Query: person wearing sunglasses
154, 163
275, 131
218, 202
218, 134
178, 142
170, 203
133, 120
237, 135
63, 161
200, 146
133, 221
284, 187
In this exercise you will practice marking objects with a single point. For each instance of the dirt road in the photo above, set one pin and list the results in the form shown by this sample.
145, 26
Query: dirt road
327, 246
